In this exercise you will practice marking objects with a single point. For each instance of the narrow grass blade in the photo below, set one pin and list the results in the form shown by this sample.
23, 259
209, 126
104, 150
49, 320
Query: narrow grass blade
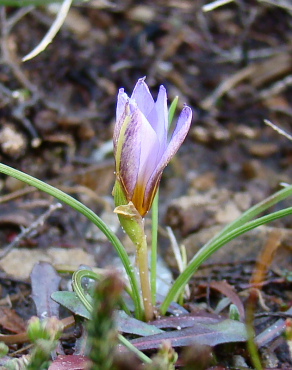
154, 231
81, 208
212, 247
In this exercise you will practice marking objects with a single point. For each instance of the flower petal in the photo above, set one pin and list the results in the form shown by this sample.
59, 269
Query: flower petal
158, 118
149, 150
148, 162
180, 132
121, 102
121, 113
143, 97
130, 154
128, 108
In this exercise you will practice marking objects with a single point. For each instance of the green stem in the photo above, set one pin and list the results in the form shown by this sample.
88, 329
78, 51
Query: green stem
142, 257
133, 349
153, 262
81, 208
212, 247
77, 287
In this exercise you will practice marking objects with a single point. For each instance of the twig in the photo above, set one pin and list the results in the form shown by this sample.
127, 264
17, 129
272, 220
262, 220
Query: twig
278, 129
18, 111
276, 88
209, 38
175, 249
17, 194
62, 14
80, 172
235, 54
227, 85
39, 222
215, 4
5, 53
178, 256
280, 3
17, 16
285, 315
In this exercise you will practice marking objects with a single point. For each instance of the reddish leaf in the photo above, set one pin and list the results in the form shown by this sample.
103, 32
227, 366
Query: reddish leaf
44, 281
223, 332
272, 331
69, 362
9, 320
185, 321
227, 290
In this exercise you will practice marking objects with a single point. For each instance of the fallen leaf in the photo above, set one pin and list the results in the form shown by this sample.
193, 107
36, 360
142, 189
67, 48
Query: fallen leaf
185, 321
72, 303
44, 281
9, 320
69, 362
226, 331
227, 290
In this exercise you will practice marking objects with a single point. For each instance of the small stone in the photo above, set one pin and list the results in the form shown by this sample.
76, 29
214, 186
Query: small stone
19, 262
228, 213
204, 181
242, 200
142, 13
263, 150
12, 142
246, 132
221, 134
200, 134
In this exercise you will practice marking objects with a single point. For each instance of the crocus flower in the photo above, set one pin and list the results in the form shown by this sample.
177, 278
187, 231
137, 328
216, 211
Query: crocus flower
140, 142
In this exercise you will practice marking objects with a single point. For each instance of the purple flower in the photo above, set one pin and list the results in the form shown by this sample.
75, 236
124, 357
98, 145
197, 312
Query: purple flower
140, 142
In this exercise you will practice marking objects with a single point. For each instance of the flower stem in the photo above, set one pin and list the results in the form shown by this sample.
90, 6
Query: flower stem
154, 248
142, 257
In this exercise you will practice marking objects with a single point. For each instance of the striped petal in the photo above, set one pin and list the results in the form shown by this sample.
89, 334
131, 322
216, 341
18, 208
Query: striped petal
181, 129
143, 97
129, 162
121, 113
158, 119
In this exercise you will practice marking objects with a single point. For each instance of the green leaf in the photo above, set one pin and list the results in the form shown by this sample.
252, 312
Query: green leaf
71, 301
171, 111
128, 324
20, 3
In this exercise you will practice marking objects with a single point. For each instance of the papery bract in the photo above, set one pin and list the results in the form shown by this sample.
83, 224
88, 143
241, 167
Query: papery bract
140, 142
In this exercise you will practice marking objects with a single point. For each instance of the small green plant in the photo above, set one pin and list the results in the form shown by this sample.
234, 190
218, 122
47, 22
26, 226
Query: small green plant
102, 331
134, 192
44, 335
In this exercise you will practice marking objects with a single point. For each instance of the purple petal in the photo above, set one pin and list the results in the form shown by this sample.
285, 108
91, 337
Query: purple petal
120, 116
181, 129
129, 107
149, 151
121, 102
158, 118
130, 153
148, 162
143, 97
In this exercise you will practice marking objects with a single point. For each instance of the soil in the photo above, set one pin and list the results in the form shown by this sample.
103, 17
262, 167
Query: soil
232, 65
